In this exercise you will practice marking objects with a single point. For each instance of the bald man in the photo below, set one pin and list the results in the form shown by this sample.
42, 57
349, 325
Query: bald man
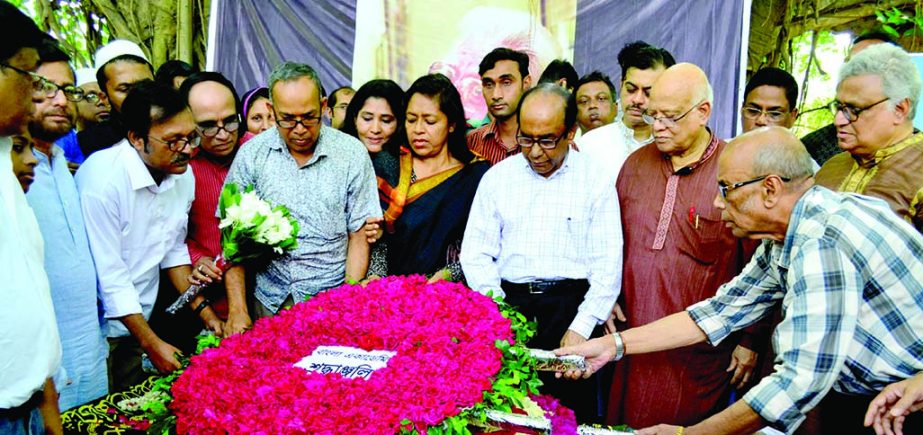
677, 253
824, 259
544, 231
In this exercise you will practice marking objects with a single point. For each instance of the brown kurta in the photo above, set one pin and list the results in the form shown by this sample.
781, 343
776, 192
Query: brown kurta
895, 175
698, 254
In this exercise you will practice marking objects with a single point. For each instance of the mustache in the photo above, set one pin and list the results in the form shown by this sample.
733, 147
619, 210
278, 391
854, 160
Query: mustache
182, 158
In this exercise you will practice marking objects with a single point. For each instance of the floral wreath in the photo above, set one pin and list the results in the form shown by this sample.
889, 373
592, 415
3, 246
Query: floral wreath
449, 343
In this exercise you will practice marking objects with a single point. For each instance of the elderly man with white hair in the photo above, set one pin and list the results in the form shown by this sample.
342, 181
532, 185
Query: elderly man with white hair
876, 100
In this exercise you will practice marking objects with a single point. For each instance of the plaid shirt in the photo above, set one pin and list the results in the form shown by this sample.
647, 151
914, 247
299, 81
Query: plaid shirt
849, 276
485, 143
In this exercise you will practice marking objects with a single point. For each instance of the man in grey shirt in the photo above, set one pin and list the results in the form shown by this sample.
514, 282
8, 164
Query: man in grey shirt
326, 180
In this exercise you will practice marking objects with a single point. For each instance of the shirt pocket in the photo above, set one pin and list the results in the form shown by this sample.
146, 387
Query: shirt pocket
701, 236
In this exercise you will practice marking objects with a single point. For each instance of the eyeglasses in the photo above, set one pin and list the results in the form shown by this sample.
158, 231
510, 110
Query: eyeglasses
751, 112
724, 189
851, 112
547, 143
37, 80
306, 121
211, 128
667, 121
93, 97
177, 145
49, 89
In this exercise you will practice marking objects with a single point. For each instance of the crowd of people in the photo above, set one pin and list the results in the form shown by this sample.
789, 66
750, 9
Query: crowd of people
759, 281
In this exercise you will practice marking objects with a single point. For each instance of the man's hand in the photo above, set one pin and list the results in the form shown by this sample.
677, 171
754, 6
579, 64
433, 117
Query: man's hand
660, 429
205, 271
163, 356
887, 411
572, 338
597, 352
372, 228
237, 323
212, 322
616, 314
743, 361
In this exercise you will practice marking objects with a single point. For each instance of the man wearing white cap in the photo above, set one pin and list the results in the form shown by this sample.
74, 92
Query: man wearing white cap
120, 65
94, 108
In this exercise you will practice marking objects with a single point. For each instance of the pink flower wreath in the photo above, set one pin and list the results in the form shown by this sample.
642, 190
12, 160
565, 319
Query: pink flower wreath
443, 334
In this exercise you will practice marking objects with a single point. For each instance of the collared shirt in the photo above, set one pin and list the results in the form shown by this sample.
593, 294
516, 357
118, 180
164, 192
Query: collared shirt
330, 197
72, 275
822, 144
485, 143
30, 350
610, 145
135, 227
848, 276
894, 174
524, 227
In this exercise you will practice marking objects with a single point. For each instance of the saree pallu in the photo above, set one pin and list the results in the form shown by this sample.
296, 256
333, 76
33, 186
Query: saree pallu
424, 220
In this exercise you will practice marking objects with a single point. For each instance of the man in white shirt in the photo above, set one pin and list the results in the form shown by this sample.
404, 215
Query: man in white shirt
136, 197
641, 65
545, 232
31, 350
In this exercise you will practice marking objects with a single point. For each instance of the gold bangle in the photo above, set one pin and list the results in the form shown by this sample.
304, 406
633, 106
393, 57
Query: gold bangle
679, 430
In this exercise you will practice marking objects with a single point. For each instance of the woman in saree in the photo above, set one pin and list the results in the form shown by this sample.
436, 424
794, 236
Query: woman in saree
426, 197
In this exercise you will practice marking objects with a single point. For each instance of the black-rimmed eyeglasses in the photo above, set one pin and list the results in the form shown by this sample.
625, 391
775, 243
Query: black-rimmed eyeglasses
211, 128
851, 112
177, 145
724, 188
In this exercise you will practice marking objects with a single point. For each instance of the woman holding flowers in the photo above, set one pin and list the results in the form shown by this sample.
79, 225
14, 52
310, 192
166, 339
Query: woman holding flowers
427, 195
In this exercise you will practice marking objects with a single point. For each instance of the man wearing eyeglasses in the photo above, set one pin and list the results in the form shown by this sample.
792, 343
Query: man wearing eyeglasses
877, 95
544, 232
326, 180
846, 272
214, 102
770, 98
68, 262
136, 197
677, 252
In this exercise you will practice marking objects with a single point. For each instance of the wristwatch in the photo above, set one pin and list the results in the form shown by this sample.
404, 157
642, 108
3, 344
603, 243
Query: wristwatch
619, 346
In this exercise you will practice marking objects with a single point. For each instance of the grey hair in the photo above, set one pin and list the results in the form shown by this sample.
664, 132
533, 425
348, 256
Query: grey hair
784, 160
899, 76
291, 71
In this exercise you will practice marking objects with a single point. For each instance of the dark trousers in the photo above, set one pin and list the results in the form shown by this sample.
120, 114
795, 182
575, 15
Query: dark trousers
844, 414
553, 311
24, 419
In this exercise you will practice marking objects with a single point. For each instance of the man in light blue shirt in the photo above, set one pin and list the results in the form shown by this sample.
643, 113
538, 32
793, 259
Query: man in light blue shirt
326, 180
68, 262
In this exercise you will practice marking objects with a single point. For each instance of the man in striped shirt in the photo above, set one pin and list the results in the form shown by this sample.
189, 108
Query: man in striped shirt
847, 273
214, 103
504, 78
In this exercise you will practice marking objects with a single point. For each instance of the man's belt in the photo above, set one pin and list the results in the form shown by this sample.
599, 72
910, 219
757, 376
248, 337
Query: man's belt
22, 410
568, 286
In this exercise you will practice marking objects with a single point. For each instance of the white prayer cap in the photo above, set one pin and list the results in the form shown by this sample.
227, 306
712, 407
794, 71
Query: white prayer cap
116, 48
85, 75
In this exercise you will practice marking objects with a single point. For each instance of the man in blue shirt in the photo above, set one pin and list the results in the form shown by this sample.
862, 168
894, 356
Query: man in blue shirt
68, 262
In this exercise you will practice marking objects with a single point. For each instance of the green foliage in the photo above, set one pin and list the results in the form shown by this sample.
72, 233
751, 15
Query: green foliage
898, 24
828, 53
515, 381
157, 411
77, 25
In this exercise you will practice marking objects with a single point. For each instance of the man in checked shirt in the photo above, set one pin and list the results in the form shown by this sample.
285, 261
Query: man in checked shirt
847, 272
